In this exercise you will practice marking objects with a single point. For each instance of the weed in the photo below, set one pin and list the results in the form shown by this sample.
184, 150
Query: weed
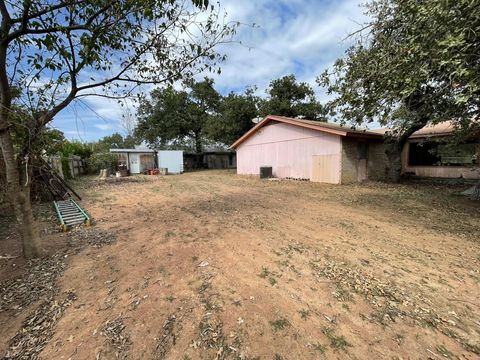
399, 338
194, 258
319, 347
304, 313
169, 234
279, 324
237, 302
205, 285
336, 342
170, 298
265, 272
272, 281
442, 350
278, 357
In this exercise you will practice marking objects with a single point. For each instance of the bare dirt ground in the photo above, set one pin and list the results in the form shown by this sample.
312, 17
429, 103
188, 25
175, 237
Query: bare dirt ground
211, 265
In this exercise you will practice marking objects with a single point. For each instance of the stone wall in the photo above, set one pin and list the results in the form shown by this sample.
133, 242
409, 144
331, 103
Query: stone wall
349, 160
377, 161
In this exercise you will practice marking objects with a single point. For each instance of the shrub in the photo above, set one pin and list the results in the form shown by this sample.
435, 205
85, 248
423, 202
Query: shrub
99, 161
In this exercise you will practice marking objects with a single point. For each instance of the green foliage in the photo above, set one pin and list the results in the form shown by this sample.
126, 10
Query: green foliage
66, 168
76, 147
415, 61
234, 117
57, 51
171, 116
287, 97
337, 342
99, 161
279, 324
114, 141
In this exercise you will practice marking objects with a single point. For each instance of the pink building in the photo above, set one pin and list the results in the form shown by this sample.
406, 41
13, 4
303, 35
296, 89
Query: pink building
317, 151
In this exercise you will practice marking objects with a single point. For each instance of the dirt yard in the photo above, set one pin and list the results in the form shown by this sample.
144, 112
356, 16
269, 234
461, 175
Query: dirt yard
211, 265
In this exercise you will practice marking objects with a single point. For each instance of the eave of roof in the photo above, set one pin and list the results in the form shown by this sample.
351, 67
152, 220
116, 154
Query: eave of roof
132, 151
313, 125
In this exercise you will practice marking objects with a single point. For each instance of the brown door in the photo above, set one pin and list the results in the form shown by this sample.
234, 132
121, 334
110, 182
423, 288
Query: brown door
362, 161
326, 168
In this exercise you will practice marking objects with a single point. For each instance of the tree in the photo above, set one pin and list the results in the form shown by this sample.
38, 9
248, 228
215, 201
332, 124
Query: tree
415, 62
287, 97
171, 116
53, 52
234, 117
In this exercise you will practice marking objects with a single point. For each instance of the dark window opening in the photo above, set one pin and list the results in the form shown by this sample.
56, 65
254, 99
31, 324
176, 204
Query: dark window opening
230, 159
362, 150
439, 154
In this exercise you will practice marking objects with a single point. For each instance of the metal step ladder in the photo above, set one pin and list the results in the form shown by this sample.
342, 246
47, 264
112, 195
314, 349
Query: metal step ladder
70, 213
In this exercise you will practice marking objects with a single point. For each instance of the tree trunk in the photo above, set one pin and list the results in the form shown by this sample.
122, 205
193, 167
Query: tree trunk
394, 156
198, 143
394, 147
20, 197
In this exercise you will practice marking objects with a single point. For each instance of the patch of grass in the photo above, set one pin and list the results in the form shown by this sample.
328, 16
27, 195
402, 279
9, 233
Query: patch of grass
279, 324
304, 313
205, 285
194, 258
399, 339
265, 272
442, 350
336, 342
319, 347
170, 298
169, 234
278, 357
209, 306
237, 302
272, 281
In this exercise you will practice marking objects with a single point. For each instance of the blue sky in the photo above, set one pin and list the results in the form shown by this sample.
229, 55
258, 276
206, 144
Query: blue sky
303, 37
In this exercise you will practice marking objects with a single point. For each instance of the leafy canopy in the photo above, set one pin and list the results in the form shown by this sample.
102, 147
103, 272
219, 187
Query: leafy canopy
170, 115
414, 62
58, 51
234, 118
287, 97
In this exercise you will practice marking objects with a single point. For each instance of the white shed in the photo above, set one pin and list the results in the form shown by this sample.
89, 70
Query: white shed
137, 160
172, 160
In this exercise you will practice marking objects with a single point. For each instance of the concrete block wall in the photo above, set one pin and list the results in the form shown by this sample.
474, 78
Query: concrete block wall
377, 161
349, 161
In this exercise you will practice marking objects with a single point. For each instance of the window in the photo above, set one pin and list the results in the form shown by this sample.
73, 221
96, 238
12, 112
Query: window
362, 150
122, 159
440, 154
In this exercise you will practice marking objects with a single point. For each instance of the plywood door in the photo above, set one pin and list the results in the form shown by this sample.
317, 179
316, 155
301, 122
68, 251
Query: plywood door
326, 168
134, 164
362, 170
147, 162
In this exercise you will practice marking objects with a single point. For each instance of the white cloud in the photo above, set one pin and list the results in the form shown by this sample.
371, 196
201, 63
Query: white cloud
104, 127
302, 37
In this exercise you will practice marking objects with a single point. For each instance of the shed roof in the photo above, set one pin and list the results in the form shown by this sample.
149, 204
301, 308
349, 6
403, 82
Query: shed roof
326, 127
149, 151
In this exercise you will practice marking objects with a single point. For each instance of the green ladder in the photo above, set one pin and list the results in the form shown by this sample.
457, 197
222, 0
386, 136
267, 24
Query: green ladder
70, 213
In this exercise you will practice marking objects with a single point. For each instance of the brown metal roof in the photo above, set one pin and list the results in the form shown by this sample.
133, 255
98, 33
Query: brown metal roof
442, 129
326, 127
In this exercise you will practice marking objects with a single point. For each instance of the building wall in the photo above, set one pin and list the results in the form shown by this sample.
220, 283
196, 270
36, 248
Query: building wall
377, 161
287, 148
349, 169
438, 171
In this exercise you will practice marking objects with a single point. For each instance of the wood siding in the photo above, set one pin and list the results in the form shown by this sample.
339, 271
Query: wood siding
287, 149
